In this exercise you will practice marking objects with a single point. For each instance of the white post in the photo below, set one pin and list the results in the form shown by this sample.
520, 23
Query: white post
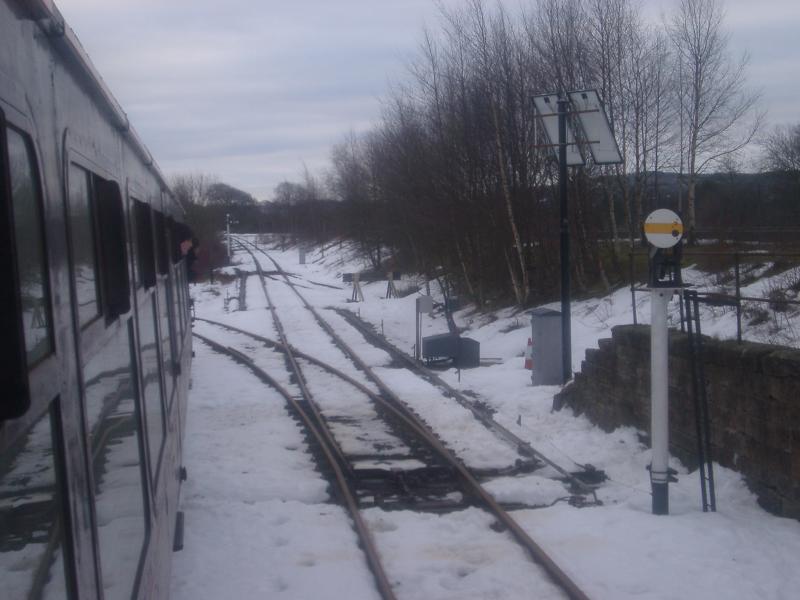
659, 398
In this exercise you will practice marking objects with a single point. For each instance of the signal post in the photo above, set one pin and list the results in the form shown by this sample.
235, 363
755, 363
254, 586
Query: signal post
663, 229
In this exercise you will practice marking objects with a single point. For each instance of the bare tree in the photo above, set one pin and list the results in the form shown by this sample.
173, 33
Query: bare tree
782, 150
192, 188
713, 101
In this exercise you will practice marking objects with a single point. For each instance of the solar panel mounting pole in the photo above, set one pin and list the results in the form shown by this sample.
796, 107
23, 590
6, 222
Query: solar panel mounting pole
228, 234
566, 313
590, 127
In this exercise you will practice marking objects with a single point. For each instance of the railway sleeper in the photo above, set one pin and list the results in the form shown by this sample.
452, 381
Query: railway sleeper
430, 488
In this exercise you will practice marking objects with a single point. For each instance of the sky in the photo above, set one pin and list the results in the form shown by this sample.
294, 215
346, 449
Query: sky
255, 92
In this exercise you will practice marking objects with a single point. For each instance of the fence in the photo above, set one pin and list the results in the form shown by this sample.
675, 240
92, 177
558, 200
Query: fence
719, 298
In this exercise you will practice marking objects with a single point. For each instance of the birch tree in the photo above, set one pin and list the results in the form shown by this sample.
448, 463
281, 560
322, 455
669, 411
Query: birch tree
717, 109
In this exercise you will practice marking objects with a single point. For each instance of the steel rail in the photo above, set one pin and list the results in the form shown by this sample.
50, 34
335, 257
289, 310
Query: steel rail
367, 542
392, 402
522, 446
298, 353
511, 437
295, 368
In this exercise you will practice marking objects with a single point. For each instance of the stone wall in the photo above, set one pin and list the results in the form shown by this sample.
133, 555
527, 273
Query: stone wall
753, 398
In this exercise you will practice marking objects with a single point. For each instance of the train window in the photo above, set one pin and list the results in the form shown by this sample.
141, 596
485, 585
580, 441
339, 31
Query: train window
33, 526
181, 244
114, 249
162, 258
100, 268
145, 257
29, 238
180, 239
25, 317
151, 378
174, 244
84, 255
111, 404
165, 294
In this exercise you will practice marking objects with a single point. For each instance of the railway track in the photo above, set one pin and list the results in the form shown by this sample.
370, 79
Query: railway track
408, 466
582, 483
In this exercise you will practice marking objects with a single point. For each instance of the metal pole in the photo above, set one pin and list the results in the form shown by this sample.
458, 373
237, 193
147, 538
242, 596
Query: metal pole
633, 288
738, 298
566, 333
228, 230
659, 399
416, 332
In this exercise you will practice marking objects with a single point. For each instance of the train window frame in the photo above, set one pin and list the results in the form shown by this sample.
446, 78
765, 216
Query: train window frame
71, 165
144, 255
110, 243
162, 242
115, 278
166, 291
14, 355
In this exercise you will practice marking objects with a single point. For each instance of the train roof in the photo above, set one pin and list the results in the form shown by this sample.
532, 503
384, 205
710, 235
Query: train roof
67, 44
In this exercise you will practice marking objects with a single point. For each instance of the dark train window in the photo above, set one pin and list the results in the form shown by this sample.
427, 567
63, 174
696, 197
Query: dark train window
174, 245
180, 238
97, 228
145, 256
84, 247
33, 527
29, 239
114, 249
112, 409
162, 258
25, 317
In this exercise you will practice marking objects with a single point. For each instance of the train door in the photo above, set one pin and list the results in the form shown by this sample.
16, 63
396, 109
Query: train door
109, 374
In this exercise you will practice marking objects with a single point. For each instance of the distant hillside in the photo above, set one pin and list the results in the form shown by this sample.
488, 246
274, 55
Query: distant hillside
728, 200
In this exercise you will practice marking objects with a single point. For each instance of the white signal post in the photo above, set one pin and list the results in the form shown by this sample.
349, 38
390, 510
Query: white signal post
663, 229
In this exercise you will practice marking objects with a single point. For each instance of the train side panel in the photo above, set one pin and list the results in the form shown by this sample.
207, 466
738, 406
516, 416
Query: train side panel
90, 452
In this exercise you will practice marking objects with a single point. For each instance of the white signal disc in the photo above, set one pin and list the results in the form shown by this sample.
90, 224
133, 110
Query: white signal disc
663, 228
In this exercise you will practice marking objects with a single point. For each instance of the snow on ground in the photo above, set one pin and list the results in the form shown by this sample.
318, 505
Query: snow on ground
258, 522
253, 500
458, 563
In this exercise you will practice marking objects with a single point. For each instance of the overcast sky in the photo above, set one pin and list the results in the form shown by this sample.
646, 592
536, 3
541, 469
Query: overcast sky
250, 91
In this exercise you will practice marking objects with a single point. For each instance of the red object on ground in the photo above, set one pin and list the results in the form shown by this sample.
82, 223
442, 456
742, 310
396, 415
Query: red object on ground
529, 355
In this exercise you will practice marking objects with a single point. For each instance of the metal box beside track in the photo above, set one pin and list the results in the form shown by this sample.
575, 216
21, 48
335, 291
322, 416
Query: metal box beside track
464, 352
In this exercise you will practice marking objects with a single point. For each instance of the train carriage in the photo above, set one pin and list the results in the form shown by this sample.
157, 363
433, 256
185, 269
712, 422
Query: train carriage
96, 349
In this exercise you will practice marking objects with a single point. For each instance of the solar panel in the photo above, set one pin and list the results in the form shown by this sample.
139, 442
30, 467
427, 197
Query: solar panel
547, 107
595, 126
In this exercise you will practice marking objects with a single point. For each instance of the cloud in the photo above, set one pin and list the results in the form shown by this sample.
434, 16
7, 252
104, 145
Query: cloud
250, 91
